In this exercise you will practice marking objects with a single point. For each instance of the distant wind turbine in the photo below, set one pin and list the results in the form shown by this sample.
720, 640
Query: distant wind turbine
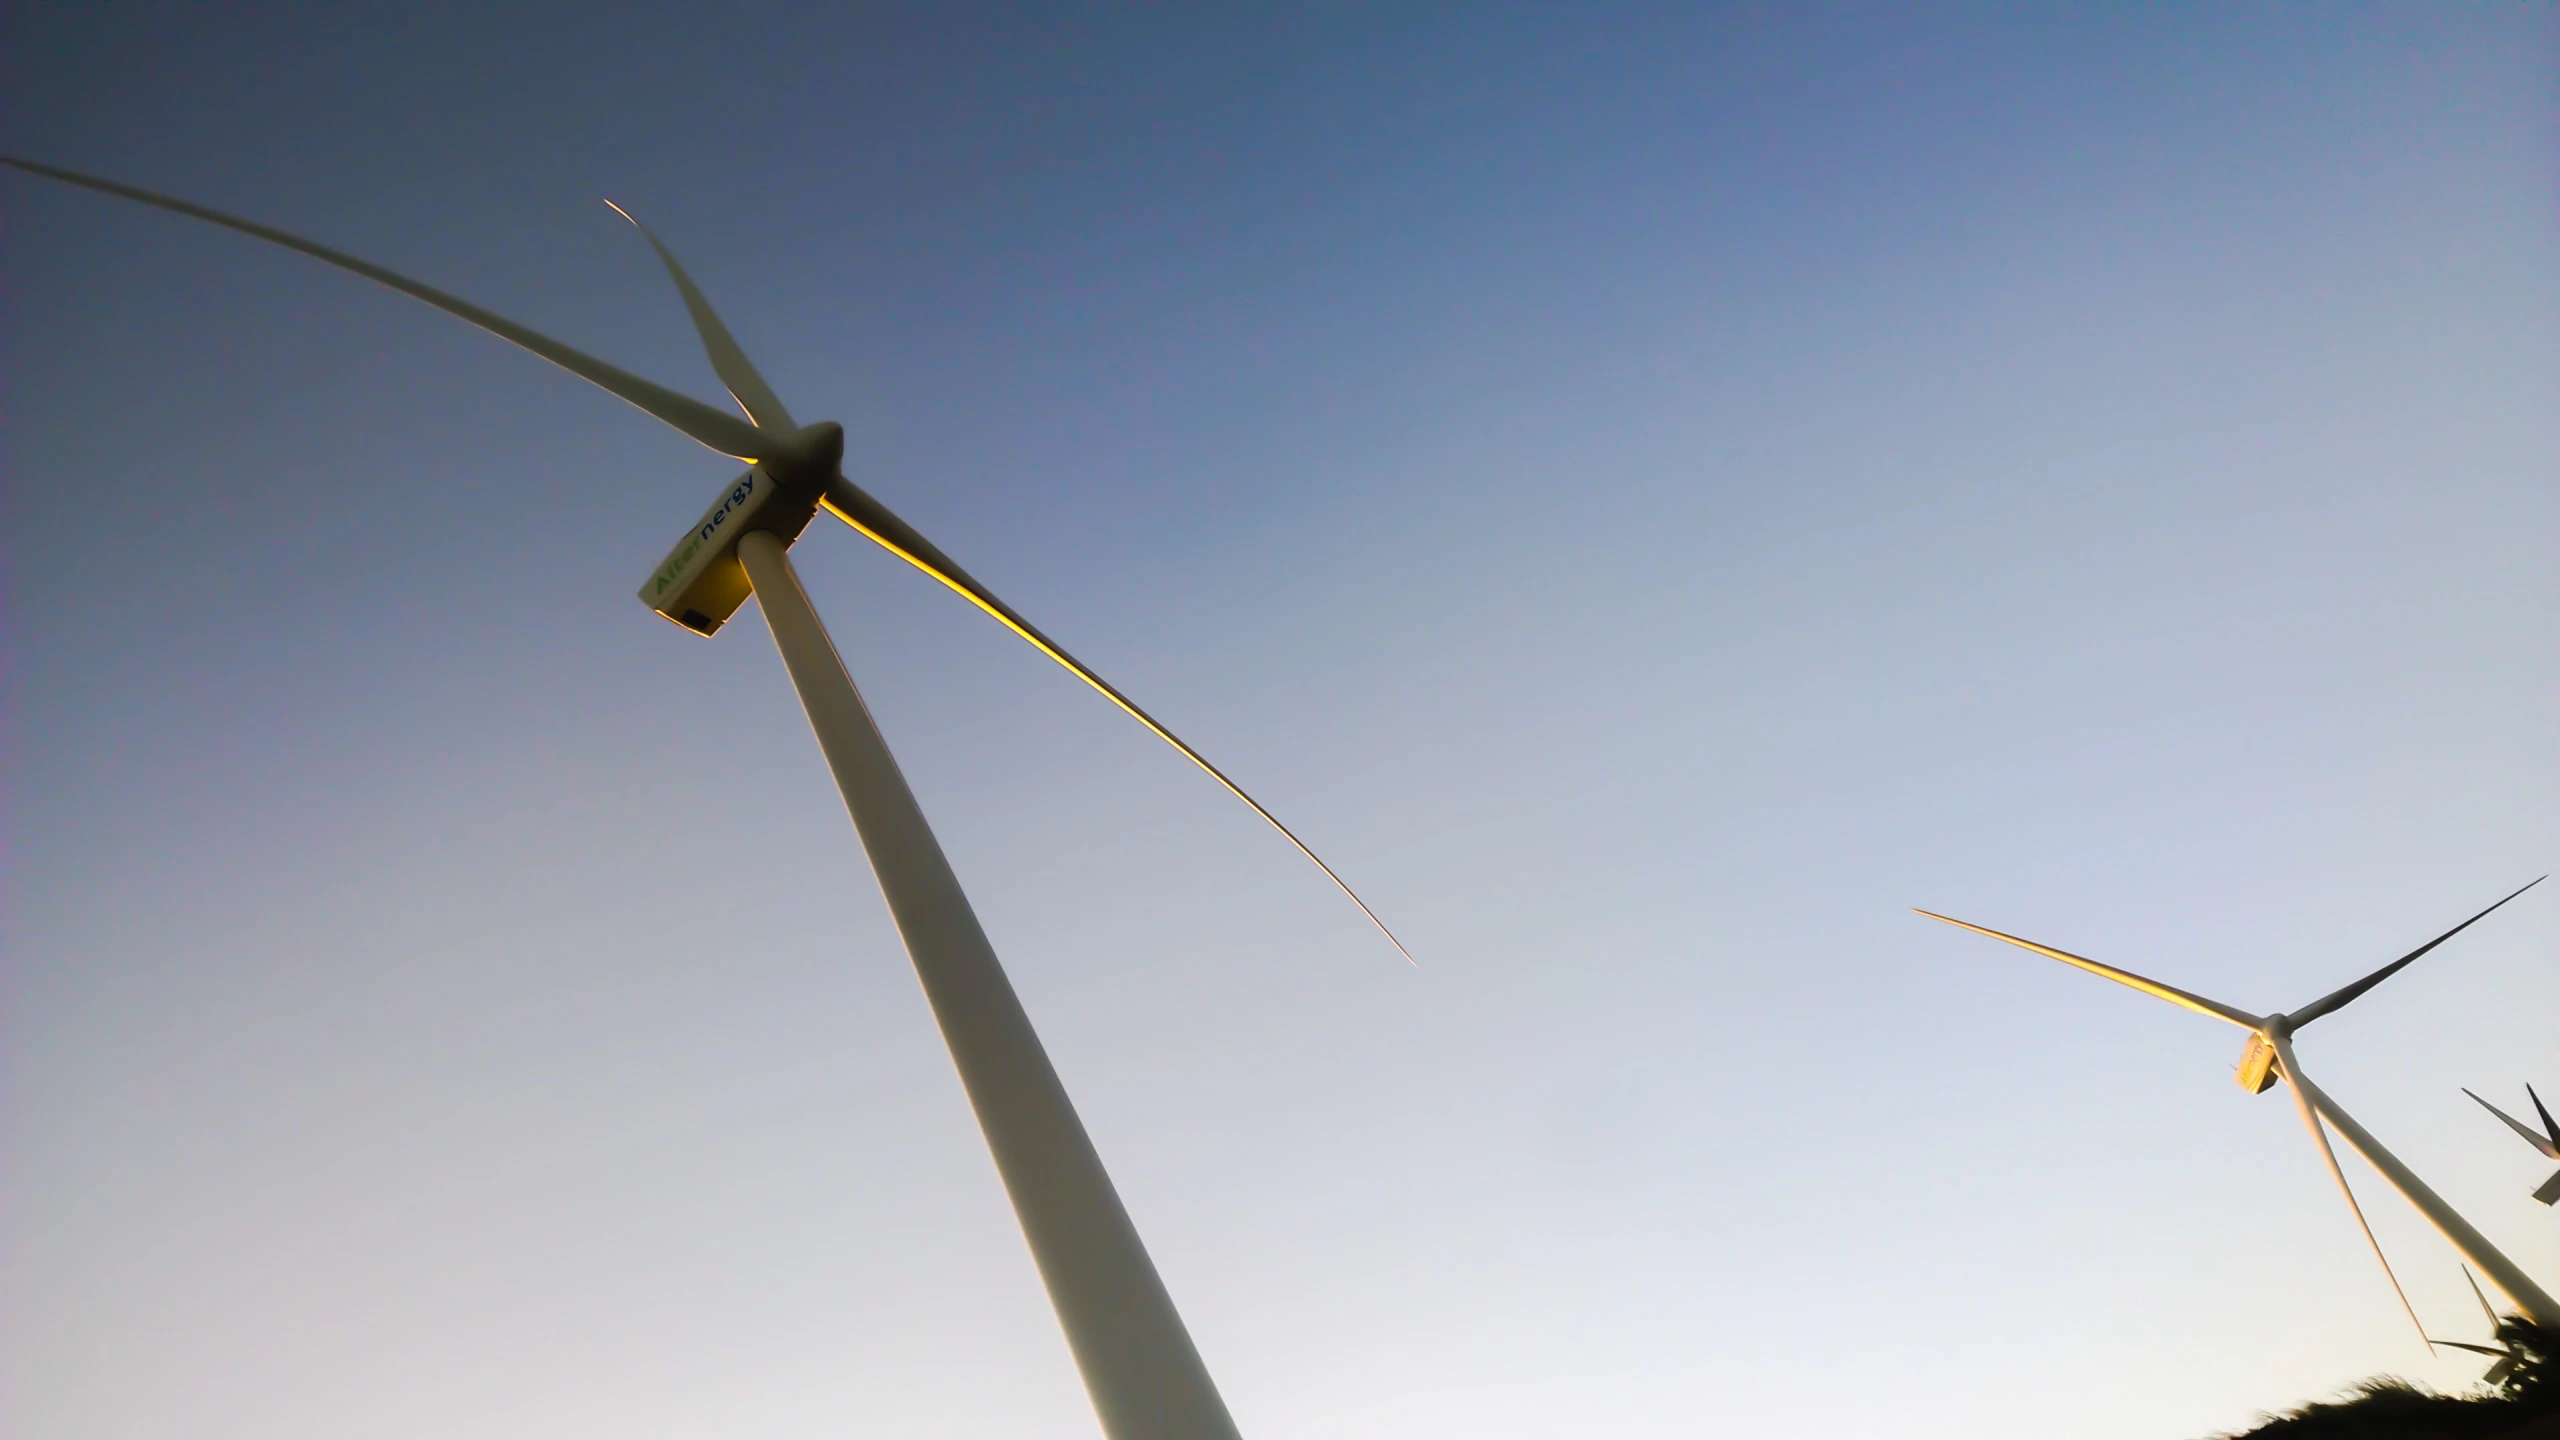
2504, 1355
2548, 1142
1145, 1377
2268, 1056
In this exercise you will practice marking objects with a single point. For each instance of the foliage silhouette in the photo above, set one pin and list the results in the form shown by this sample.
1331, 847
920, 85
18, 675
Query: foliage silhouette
2525, 1405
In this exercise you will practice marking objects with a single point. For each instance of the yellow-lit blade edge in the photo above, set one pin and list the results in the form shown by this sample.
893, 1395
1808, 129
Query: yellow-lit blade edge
2170, 993
880, 526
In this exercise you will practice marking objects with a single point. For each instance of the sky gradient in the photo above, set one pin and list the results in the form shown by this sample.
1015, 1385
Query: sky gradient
1649, 493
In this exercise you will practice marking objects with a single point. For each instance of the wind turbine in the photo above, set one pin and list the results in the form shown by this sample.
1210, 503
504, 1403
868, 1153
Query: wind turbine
1145, 1377
2548, 1142
2503, 1355
2269, 1056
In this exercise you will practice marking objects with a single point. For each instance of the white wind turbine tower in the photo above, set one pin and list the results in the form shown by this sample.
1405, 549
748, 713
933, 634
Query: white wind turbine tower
1145, 1377
2269, 1056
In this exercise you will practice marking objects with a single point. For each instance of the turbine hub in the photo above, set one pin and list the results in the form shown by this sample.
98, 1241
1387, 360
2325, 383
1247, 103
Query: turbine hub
807, 458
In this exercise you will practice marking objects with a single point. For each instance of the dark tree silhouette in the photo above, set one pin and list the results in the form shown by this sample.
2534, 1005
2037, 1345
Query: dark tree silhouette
2523, 1405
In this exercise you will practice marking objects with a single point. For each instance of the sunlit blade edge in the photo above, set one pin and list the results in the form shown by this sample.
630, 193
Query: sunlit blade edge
2170, 993
959, 582
2338, 998
2311, 1118
724, 433
728, 359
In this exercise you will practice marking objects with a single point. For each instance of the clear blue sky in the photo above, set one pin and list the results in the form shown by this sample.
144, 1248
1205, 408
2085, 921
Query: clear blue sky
1649, 493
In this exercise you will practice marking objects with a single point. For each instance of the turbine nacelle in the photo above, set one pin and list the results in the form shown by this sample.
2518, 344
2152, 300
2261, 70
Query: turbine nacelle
701, 584
2257, 1070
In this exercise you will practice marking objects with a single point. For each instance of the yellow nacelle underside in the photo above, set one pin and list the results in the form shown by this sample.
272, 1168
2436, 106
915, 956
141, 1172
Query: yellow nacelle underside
2257, 1065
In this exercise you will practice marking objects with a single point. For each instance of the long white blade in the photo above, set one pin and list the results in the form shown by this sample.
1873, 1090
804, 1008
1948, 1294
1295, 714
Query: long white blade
722, 432
855, 507
2320, 1134
2337, 999
2538, 1142
728, 361
2170, 993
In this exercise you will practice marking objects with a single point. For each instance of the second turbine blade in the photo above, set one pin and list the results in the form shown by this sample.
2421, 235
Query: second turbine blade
728, 360
2170, 993
706, 426
2320, 1135
2338, 999
857, 508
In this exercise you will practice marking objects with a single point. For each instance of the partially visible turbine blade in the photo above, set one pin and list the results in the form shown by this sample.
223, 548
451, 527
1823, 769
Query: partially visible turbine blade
2311, 1119
2518, 1126
2485, 1307
724, 433
2550, 1126
2550, 1191
2503, 1354
2465, 1345
727, 361
2337, 998
2170, 993
855, 506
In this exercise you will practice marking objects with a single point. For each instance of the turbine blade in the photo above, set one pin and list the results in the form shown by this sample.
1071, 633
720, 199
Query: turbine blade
2170, 993
2488, 1350
724, 433
2311, 1119
2550, 1191
2518, 1126
2485, 1307
727, 361
2550, 1126
2337, 998
854, 506
2505, 1355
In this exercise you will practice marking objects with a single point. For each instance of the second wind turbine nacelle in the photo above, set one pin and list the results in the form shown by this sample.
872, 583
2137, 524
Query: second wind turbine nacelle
2257, 1072
701, 584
